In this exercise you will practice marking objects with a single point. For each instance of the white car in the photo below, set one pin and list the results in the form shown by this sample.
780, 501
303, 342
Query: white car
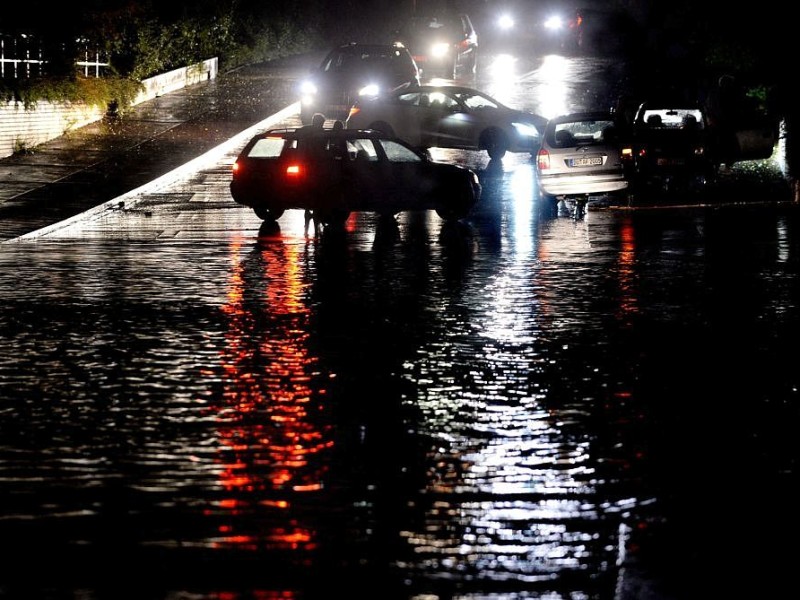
581, 157
449, 116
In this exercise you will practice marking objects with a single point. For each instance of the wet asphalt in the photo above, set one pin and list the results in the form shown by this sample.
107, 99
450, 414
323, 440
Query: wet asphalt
105, 159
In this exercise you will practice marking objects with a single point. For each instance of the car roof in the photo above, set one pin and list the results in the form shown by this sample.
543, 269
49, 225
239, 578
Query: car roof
302, 132
428, 87
360, 47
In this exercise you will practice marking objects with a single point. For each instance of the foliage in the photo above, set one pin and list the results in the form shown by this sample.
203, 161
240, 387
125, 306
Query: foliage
143, 40
104, 92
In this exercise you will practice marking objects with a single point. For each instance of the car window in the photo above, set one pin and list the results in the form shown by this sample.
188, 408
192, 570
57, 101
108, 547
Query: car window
396, 152
574, 133
673, 118
362, 149
476, 100
408, 99
440, 100
268, 147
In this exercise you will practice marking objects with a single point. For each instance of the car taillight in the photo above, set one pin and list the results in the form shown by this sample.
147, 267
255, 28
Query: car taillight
294, 170
543, 160
626, 153
236, 167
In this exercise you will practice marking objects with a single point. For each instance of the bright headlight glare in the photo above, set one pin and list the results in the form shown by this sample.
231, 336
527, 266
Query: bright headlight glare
553, 22
369, 90
308, 88
506, 22
440, 49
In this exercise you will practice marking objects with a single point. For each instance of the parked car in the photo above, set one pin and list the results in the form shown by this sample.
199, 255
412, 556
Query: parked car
333, 172
444, 45
580, 158
449, 116
350, 71
672, 148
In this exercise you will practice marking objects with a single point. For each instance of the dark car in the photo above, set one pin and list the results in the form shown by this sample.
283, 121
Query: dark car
353, 70
450, 116
443, 45
333, 172
672, 148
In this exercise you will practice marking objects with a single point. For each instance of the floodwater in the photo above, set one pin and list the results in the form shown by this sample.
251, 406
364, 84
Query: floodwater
523, 405
520, 406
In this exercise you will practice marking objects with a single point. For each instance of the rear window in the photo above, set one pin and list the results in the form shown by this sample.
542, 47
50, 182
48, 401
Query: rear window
575, 133
269, 147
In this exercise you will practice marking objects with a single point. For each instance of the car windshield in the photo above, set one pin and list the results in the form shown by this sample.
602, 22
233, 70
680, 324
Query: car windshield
358, 59
427, 27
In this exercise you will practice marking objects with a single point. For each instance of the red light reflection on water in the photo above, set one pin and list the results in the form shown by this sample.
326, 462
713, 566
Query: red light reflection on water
629, 302
273, 447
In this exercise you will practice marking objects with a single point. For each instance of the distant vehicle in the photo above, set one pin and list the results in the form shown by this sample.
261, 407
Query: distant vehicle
580, 158
333, 172
353, 70
672, 148
522, 26
449, 116
443, 45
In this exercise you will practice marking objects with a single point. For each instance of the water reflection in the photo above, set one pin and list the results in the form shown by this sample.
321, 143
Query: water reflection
275, 440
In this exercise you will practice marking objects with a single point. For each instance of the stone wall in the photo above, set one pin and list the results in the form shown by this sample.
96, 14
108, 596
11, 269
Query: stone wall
24, 129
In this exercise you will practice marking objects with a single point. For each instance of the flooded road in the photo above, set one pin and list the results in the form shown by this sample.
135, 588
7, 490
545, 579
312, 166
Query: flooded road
523, 405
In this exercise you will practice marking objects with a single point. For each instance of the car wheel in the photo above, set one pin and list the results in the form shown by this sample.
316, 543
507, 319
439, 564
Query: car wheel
268, 214
495, 143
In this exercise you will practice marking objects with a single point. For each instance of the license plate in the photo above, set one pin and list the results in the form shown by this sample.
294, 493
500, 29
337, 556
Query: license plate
589, 161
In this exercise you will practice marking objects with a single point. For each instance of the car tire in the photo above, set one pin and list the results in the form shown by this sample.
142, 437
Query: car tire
495, 142
268, 214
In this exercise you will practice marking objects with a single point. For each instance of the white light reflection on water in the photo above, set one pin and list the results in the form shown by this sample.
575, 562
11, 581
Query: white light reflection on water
552, 95
497, 434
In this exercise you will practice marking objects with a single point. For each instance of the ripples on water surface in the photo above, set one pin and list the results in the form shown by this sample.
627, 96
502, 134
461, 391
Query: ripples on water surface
509, 408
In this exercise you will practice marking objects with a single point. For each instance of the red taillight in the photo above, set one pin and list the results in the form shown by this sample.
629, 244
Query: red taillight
294, 170
236, 167
543, 159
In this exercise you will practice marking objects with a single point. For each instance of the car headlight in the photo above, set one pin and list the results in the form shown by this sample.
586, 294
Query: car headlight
371, 89
440, 49
554, 23
525, 129
505, 22
307, 88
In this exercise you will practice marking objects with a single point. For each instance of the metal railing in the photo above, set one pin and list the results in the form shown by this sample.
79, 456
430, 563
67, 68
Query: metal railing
23, 57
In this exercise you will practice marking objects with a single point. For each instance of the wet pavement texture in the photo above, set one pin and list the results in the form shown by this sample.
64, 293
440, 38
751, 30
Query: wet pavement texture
522, 405
96, 163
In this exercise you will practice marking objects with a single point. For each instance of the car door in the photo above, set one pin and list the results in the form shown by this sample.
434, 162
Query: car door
443, 121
